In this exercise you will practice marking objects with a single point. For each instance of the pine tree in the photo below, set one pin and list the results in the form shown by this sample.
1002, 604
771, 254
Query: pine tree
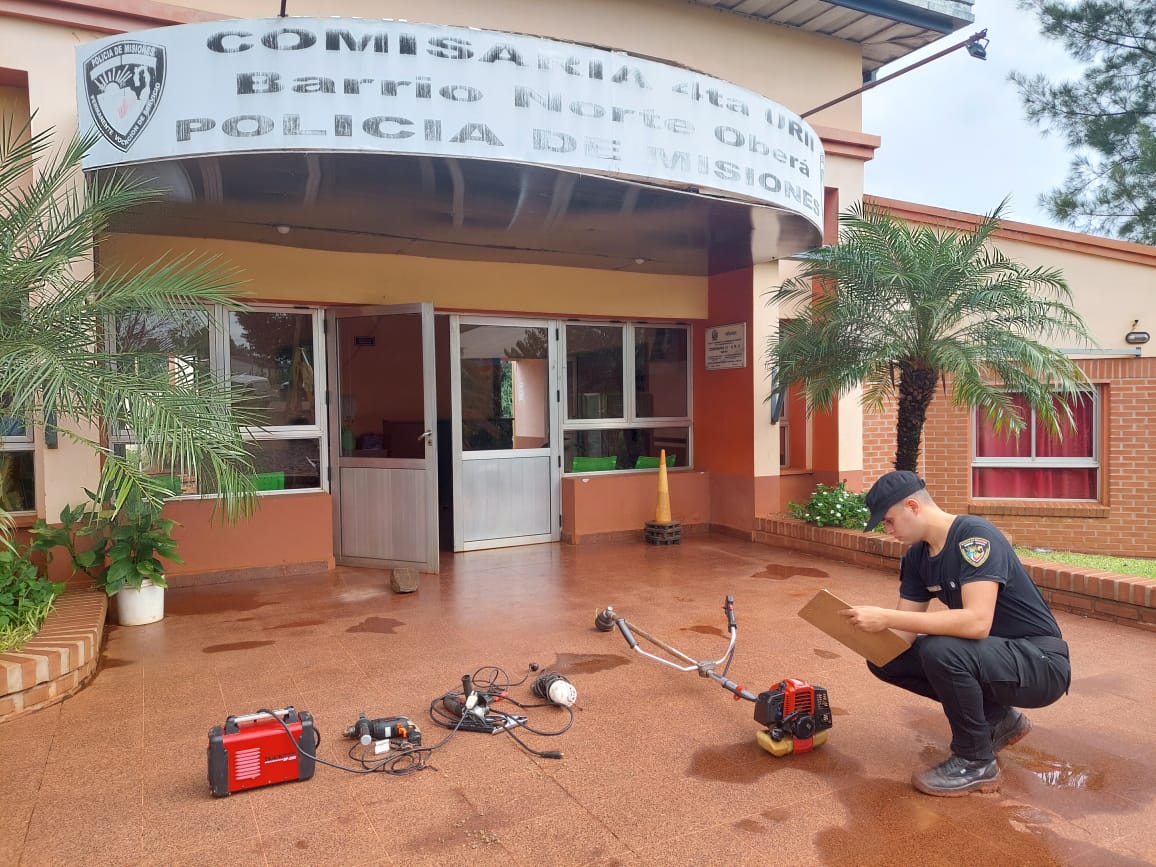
1107, 117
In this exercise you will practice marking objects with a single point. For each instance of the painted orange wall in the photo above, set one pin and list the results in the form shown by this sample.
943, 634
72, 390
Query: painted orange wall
723, 409
285, 530
722, 398
601, 505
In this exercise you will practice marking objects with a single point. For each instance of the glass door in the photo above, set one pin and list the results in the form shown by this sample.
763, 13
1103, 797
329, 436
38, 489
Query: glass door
383, 404
507, 478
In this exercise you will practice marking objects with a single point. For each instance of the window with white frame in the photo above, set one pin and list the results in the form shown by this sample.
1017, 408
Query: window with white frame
627, 396
275, 353
1039, 464
17, 468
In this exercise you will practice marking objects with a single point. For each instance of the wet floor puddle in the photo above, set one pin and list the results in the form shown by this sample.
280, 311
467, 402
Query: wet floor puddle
295, 624
780, 572
382, 625
237, 645
587, 663
1057, 774
203, 602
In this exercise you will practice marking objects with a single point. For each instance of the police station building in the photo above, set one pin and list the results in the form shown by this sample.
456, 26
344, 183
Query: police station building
497, 256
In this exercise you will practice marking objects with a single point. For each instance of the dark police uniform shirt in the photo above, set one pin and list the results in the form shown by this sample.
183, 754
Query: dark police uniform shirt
976, 551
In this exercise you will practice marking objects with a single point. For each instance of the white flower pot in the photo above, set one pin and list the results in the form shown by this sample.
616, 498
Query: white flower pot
136, 607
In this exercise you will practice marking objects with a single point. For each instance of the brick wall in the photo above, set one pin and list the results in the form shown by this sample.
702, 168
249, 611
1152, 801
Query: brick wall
1122, 523
1121, 599
59, 660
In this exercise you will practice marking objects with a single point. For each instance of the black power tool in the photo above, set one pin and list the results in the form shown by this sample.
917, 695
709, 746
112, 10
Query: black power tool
399, 732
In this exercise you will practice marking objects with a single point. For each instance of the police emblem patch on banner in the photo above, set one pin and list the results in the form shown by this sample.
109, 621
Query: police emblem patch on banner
975, 550
124, 84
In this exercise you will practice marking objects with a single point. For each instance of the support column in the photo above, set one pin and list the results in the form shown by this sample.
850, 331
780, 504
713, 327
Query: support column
825, 423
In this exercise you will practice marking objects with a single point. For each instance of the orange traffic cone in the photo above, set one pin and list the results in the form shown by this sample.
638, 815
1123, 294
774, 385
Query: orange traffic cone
662, 530
662, 509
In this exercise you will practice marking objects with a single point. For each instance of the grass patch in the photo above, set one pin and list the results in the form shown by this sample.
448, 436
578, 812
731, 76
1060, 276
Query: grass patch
1121, 565
14, 636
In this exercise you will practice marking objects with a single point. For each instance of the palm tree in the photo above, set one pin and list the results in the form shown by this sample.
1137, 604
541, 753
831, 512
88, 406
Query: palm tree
55, 371
907, 308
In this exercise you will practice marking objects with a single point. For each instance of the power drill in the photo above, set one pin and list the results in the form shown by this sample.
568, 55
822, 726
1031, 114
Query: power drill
400, 731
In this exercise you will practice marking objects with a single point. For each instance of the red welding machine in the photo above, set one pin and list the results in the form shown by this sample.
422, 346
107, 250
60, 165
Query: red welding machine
257, 750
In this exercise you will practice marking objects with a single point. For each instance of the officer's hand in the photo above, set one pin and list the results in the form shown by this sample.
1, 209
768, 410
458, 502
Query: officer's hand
867, 617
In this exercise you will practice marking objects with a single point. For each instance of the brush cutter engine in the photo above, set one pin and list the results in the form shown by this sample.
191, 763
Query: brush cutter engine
796, 714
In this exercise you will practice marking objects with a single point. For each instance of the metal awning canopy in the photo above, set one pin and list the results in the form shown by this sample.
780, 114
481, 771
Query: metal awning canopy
442, 207
887, 30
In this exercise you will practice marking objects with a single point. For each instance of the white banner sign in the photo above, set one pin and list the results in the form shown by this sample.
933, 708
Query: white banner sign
329, 84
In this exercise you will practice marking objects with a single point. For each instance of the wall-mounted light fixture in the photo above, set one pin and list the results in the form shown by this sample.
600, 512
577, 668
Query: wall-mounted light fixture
1136, 338
282, 229
977, 48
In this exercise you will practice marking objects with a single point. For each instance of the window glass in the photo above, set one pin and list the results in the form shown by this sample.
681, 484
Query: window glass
1040, 464
271, 355
17, 482
588, 450
660, 372
286, 464
175, 346
605, 431
1053, 483
379, 422
179, 481
1071, 441
505, 377
1004, 444
12, 427
594, 371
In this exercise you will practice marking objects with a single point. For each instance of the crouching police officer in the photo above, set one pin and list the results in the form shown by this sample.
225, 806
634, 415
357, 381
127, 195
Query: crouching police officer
995, 648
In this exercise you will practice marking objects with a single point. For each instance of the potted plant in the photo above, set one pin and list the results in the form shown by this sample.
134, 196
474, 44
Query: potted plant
120, 550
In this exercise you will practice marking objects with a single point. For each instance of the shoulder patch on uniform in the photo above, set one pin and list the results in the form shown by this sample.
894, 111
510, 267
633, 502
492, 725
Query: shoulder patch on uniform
975, 550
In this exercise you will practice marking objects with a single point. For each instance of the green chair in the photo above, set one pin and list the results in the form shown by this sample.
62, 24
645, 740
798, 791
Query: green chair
593, 465
270, 481
645, 462
172, 484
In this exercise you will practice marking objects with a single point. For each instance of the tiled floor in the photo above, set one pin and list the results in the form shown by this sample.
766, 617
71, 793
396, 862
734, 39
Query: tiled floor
660, 767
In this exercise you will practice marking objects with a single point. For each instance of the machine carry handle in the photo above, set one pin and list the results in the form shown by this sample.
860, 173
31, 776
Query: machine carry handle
233, 723
729, 608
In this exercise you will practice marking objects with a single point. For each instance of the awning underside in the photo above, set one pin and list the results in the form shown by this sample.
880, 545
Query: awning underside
441, 207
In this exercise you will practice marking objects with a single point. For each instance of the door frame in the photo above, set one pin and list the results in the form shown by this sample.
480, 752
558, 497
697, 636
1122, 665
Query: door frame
337, 461
555, 449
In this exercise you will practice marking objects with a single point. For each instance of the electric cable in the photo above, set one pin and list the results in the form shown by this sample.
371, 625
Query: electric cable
471, 708
418, 756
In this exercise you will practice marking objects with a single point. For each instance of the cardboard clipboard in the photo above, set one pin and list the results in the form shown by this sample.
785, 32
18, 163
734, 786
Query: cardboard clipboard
878, 647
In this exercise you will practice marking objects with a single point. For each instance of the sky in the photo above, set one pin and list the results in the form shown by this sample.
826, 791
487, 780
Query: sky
954, 131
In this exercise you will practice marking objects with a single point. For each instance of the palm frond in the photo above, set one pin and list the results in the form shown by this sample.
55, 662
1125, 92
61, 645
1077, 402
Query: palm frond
892, 296
54, 308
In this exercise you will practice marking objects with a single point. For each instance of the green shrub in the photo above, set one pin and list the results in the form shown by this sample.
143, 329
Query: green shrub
25, 598
832, 507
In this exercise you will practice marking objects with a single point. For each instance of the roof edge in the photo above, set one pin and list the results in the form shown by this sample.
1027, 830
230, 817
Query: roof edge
1044, 236
103, 17
905, 12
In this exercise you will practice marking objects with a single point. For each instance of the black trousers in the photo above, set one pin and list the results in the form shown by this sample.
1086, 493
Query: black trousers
976, 681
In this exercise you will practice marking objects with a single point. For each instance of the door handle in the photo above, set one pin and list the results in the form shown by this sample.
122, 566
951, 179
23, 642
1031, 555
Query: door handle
427, 436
